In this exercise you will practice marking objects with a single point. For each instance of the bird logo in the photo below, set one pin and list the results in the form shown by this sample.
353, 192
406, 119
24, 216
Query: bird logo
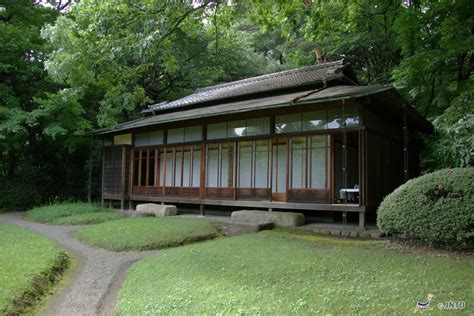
424, 306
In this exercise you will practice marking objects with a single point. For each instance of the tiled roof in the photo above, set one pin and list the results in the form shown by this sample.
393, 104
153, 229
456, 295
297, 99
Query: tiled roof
312, 96
275, 81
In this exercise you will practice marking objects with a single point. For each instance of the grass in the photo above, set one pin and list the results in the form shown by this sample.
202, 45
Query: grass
29, 265
276, 272
72, 214
147, 233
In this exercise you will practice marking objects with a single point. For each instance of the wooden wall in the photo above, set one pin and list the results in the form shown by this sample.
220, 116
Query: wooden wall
116, 172
384, 158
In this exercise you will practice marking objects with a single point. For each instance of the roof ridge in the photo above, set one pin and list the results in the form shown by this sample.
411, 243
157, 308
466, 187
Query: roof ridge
270, 75
277, 80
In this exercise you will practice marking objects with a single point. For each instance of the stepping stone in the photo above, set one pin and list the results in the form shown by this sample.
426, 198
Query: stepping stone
235, 228
157, 209
283, 219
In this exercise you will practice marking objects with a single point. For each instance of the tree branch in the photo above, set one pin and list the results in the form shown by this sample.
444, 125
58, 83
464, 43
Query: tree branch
181, 19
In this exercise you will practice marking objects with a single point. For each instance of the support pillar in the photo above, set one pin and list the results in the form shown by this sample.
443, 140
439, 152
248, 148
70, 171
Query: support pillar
202, 210
362, 220
406, 175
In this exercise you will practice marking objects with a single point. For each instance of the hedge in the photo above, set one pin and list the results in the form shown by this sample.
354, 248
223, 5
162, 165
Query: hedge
18, 196
436, 209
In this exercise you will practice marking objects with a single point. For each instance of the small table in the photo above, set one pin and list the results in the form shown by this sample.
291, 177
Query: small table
351, 194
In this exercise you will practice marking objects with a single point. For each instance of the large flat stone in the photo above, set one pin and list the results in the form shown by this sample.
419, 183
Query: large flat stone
283, 219
234, 228
157, 209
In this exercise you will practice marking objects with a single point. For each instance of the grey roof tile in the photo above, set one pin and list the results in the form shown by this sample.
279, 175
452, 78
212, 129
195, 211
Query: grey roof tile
275, 81
281, 100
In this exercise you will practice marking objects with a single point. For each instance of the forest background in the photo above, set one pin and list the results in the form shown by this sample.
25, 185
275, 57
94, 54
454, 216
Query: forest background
69, 67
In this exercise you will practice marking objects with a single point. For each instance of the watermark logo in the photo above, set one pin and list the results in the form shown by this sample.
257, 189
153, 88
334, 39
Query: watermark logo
451, 305
424, 306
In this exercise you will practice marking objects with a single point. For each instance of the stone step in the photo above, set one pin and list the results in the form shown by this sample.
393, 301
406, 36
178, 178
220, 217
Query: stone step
157, 209
283, 219
343, 231
235, 228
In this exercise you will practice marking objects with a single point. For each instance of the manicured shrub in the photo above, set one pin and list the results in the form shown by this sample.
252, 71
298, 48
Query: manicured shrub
18, 196
437, 209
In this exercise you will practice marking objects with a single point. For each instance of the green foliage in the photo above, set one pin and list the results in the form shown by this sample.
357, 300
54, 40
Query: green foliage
424, 48
18, 196
146, 233
99, 63
437, 209
454, 145
278, 273
22, 74
71, 214
127, 55
29, 264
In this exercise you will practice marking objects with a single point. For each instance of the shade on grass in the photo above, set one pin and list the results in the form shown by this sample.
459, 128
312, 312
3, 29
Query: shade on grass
72, 214
26, 258
279, 273
146, 233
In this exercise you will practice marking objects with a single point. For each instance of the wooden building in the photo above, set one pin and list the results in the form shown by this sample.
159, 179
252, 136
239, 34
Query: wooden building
305, 139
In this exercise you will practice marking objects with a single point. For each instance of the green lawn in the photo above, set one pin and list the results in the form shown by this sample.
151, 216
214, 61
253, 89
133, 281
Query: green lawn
276, 272
72, 214
146, 233
29, 263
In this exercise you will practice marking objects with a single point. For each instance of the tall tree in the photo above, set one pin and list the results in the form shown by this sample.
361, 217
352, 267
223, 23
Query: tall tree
22, 77
117, 57
424, 48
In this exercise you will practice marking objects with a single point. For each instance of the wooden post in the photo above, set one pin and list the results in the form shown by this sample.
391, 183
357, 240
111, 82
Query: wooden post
344, 160
131, 175
287, 167
362, 219
165, 150
406, 175
123, 184
103, 176
202, 209
89, 185
202, 171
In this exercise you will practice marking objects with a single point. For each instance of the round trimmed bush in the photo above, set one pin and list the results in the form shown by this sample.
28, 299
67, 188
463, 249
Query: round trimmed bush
437, 209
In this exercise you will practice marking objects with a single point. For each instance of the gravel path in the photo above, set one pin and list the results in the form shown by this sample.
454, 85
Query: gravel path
97, 278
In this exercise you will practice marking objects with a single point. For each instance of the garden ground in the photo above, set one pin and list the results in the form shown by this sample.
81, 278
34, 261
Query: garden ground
147, 233
266, 272
97, 277
286, 273
29, 264
77, 213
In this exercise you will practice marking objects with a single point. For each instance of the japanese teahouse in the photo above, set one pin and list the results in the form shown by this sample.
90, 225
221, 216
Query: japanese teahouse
309, 139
